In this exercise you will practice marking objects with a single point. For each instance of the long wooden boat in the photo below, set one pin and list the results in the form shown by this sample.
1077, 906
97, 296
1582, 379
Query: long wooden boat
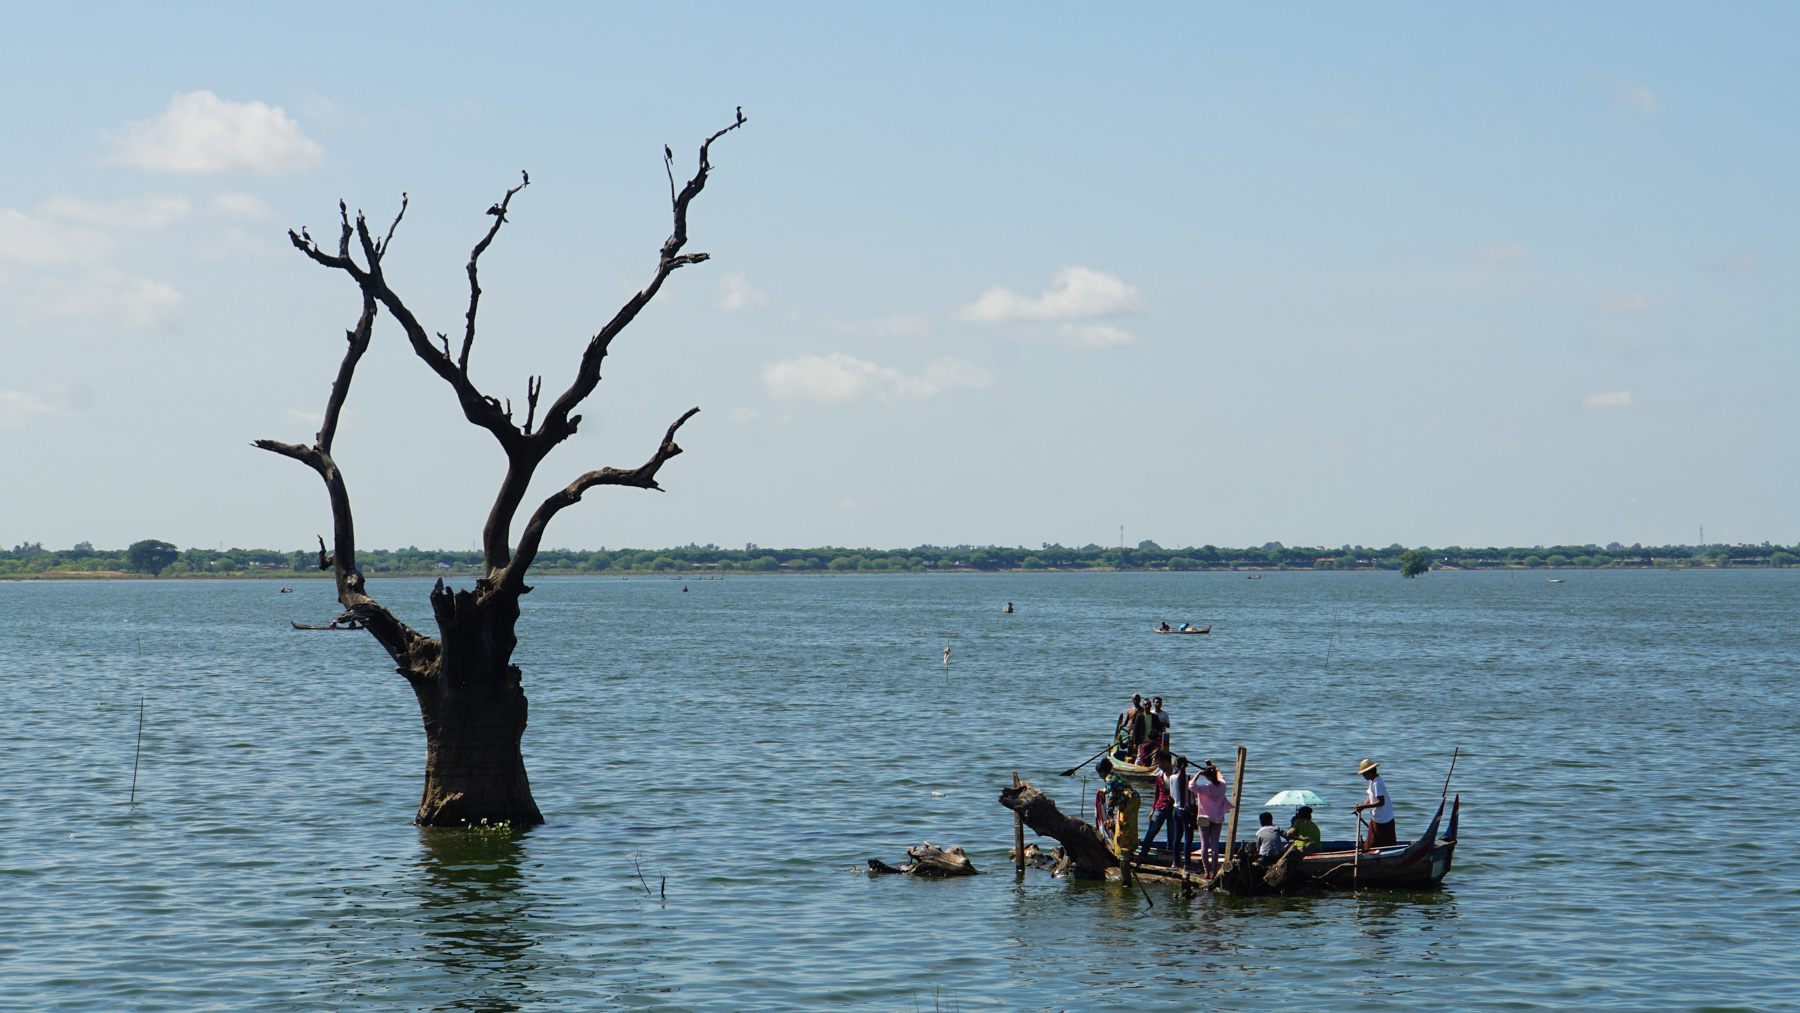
1203, 629
1419, 864
1406, 865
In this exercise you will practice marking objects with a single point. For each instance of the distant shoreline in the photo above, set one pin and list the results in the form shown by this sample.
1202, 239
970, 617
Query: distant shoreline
278, 577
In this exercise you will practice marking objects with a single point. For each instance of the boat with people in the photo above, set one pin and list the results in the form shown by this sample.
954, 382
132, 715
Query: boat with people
1143, 776
1184, 628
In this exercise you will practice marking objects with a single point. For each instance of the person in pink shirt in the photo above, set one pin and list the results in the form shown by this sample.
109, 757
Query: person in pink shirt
1211, 802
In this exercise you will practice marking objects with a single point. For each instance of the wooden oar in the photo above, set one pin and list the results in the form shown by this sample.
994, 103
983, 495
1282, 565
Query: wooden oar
1071, 771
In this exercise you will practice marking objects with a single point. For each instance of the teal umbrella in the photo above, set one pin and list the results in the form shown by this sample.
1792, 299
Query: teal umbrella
1298, 797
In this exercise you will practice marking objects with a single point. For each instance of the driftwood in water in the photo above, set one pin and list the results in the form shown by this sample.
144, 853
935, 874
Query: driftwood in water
929, 860
1083, 847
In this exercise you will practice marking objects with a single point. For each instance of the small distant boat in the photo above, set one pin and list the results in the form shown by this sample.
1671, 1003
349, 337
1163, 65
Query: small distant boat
1553, 580
341, 626
1254, 576
1202, 629
287, 590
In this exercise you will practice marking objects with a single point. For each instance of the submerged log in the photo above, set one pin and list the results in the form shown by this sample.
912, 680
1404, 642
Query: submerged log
929, 860
1083, 848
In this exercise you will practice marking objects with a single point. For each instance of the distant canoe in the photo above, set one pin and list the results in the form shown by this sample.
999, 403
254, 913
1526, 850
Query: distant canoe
1553, 580
1203, 629
298, 626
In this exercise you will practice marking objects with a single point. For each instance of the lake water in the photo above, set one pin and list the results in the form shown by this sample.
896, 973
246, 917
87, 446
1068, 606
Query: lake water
1628, 764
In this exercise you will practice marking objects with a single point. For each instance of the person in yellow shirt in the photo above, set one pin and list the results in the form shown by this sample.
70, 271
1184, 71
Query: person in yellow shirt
1303, 831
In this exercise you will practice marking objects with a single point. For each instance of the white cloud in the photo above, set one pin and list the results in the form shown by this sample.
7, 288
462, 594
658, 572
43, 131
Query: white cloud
741, 416
1075, 293
1501, 252
738, 293
38, 243
847, 504
1741, 262
1637, 98
1629, 302
242, 207
840, 377
1094, 336
106, 294
19, 409
232, 243
139, 213
1609, 399
200, 132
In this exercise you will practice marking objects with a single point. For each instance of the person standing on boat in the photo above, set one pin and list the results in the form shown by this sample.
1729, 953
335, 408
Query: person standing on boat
1380, 806
1133, 729
1162, 807
1181, 817
1159, 725
1121, 808
1211, 801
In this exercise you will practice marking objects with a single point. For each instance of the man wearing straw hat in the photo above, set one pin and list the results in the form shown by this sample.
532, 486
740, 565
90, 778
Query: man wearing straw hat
1381, 817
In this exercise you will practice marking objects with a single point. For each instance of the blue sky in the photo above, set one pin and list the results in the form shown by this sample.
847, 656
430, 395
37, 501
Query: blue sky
1519, 274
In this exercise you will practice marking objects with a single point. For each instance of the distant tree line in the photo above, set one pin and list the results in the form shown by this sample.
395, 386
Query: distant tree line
155, 558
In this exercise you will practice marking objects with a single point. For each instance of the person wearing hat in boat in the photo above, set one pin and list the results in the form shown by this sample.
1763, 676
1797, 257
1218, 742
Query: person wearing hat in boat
1380, 806
1303, 831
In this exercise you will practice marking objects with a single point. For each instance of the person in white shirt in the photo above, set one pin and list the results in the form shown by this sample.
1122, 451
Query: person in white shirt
1380, 806
1271, 843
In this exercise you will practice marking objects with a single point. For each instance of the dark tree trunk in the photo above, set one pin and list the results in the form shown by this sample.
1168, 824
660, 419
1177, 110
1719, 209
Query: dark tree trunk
467, 686
1082, 844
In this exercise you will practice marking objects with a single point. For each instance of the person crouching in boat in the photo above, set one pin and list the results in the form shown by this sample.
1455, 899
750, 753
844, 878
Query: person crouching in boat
1303, 831
1271, 843
1121, 809
1211, 801
1380, 806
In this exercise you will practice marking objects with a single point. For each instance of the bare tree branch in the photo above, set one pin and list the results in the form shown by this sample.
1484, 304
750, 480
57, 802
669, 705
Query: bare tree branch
403, 644
558, 423
642, 477
499, 213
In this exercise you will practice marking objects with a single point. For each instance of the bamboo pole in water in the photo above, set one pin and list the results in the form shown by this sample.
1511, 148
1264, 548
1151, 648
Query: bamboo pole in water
1237, 798
1018, 833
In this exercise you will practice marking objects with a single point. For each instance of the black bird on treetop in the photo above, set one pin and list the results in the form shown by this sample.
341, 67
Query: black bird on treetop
668, 154
740, 114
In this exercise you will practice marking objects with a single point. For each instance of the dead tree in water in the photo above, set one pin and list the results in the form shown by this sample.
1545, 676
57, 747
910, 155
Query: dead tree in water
1081, 842
467, 686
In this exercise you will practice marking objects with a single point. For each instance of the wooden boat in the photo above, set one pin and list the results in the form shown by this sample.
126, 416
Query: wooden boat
1203, 629
1405, 865
347, 626
1553, 580
1415, 865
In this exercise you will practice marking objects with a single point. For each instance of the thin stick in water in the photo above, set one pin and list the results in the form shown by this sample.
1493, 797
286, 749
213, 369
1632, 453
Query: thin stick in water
138, 753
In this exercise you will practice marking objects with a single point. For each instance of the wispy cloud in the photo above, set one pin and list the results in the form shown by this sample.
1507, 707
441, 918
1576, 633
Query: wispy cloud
1740, 263
105, 294
1501, 253
241, 207
1608, 399
200, 132
839, 377
1625, 302
19, 409
1075, 293
139, 213
738, 293
37, 242
1636, 98
1094, 336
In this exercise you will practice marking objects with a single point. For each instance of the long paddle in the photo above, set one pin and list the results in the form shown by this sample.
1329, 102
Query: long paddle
1071, 771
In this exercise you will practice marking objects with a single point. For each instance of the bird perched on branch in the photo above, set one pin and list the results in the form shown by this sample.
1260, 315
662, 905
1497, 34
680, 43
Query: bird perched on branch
668, 153
740, 114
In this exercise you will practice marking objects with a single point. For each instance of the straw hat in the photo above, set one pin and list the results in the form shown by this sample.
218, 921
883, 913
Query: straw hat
1366, 766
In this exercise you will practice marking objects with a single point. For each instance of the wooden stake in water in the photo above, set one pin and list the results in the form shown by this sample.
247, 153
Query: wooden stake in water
138, 753
1018, 834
